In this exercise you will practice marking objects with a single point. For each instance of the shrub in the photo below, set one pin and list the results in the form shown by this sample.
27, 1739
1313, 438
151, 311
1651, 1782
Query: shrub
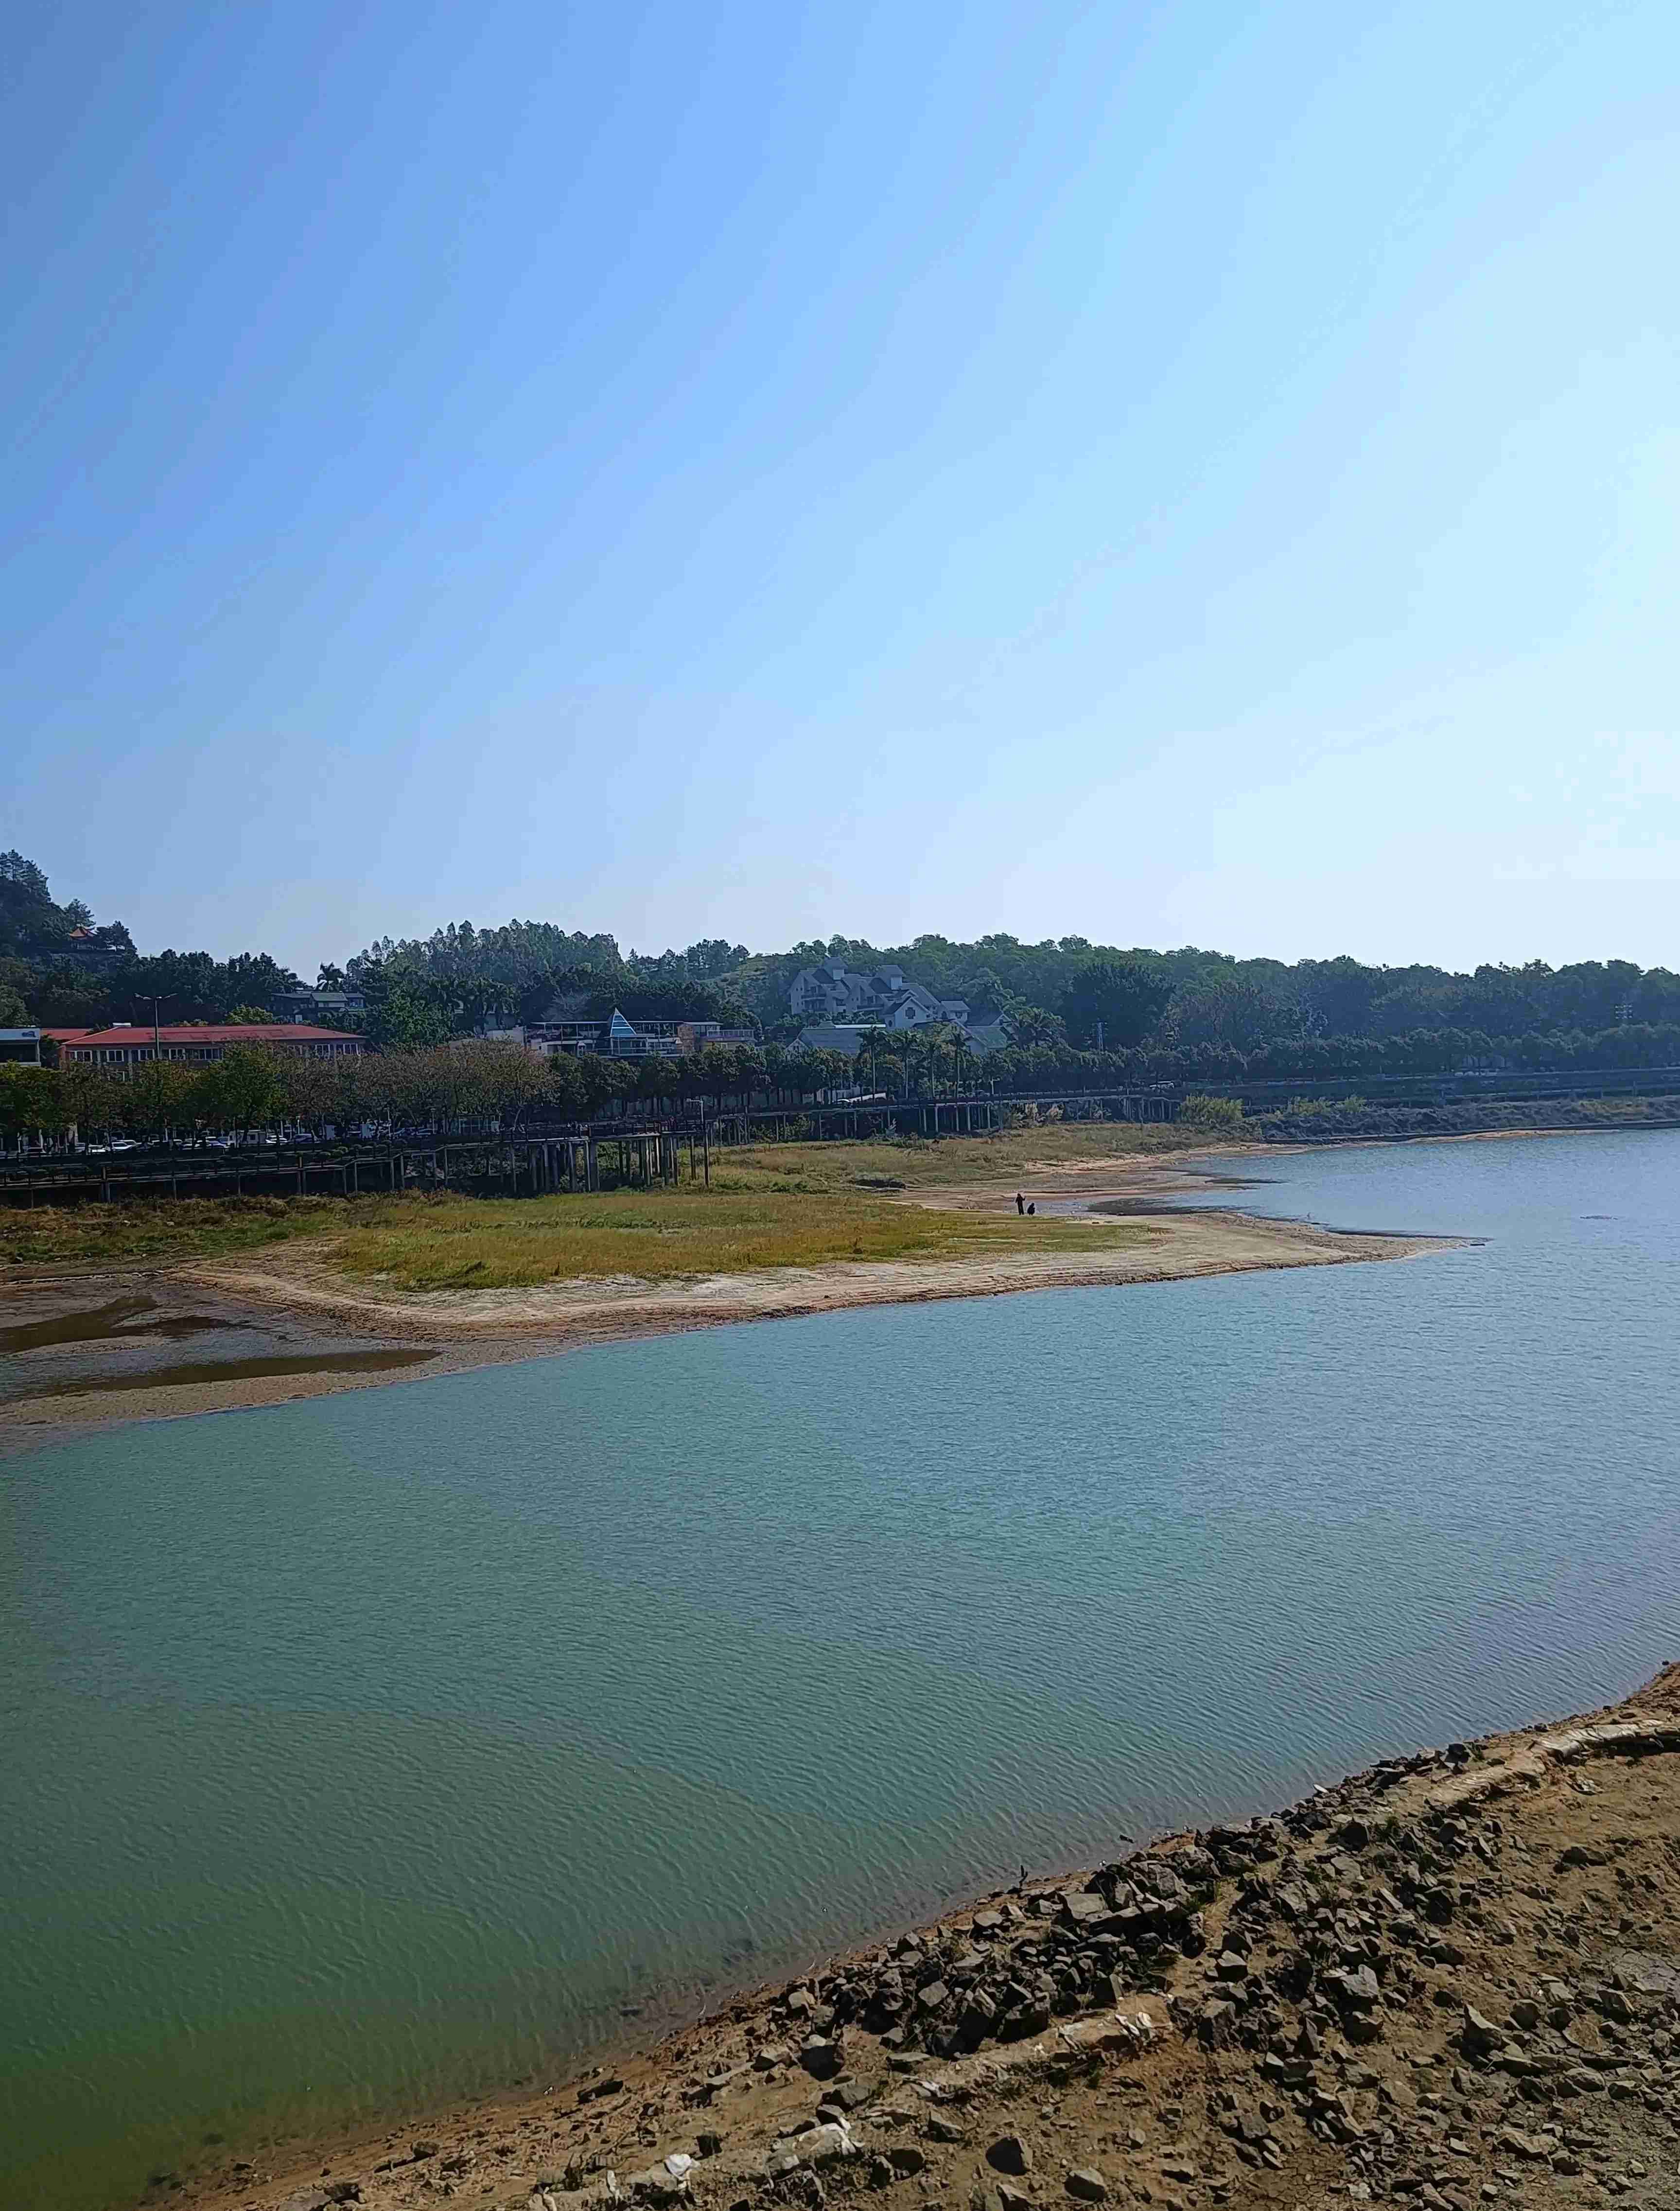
1211, 1113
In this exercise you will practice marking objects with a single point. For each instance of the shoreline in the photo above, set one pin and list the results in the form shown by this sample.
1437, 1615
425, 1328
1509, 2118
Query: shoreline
1167, 2029
293, 1309
305, 1315
1544, 1863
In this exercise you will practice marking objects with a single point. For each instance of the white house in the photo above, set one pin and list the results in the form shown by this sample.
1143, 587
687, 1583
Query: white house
836, 993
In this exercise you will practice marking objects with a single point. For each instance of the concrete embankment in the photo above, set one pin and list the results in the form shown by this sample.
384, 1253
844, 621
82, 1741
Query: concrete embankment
1452, 1980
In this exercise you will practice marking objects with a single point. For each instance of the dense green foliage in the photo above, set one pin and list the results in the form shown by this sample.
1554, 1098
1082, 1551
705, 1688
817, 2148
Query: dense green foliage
39, 971
1183, 1016
31, 924
467, 1085
1112, 1003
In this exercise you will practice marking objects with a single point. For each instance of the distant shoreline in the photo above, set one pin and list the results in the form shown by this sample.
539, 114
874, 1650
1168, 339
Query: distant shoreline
289, 1304
463, 1329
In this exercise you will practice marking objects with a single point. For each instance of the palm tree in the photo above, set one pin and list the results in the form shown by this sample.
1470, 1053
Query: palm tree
936, 1039
874, 1040
961, 1059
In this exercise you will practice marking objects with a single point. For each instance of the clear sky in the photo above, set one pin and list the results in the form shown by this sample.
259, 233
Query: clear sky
1174, 473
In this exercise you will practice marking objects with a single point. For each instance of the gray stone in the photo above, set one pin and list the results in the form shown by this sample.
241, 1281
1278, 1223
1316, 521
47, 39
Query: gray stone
1009, 2153
1360, 1987
1082, 1905
1534, 2147
657, 2185
823, 2145
1088, 2186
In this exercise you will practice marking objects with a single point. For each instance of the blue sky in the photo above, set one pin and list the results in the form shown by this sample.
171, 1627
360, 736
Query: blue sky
1170, 473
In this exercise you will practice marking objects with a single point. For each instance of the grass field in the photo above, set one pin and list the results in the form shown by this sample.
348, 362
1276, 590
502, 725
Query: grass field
494, 1244
95, 1235
791, 1205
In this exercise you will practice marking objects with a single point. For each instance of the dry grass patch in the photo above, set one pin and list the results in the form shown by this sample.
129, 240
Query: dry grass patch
85, 1234
453, 1243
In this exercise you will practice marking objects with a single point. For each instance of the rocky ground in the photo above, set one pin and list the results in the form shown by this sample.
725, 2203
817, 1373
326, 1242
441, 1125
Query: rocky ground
1452, 1980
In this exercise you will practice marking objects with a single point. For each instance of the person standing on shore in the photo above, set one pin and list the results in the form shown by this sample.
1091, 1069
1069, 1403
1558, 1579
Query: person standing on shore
1020, 1202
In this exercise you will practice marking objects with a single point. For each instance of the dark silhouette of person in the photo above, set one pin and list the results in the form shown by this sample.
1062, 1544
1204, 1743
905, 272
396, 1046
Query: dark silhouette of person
1032, 1209
1020, 1202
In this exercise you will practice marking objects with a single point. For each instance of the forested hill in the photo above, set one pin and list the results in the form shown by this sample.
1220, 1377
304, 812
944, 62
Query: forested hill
1054, 992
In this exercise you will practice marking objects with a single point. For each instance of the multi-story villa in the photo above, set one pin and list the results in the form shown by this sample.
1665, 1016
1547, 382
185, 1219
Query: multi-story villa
834, 993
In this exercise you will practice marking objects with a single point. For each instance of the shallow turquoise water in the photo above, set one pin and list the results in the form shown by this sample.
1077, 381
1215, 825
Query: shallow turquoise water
397, 1741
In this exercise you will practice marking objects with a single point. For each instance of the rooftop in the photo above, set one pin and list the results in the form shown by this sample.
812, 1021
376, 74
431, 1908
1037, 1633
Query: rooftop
210, 1032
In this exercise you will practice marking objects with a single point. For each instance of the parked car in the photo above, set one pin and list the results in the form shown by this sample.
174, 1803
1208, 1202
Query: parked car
116, 1144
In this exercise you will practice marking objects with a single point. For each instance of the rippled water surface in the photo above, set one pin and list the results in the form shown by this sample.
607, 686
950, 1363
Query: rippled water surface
364, 1748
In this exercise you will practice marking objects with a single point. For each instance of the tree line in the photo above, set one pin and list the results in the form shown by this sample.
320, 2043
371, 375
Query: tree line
466, 1086
1423, 1051
1065, 994
476, 1084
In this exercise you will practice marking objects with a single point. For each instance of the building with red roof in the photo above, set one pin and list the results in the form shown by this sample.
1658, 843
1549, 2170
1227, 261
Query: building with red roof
127, 1045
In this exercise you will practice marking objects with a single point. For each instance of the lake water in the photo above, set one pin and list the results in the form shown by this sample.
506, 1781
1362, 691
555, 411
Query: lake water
398, 1742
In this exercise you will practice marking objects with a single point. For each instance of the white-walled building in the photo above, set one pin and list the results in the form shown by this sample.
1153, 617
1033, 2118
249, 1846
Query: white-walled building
834, 992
